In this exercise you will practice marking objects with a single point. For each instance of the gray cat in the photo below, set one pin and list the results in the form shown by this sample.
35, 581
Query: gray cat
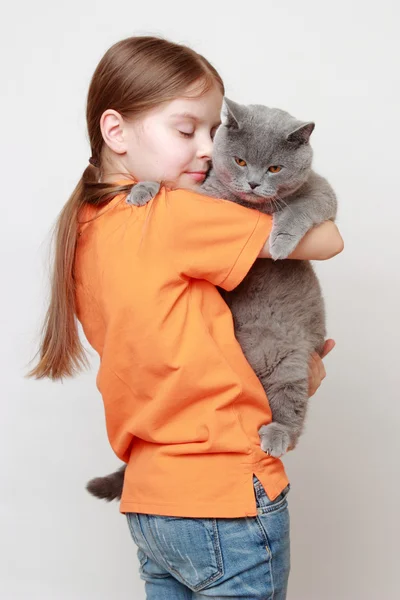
262, 159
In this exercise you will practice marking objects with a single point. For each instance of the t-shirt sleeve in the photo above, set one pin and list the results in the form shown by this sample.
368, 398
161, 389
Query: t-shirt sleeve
213, 239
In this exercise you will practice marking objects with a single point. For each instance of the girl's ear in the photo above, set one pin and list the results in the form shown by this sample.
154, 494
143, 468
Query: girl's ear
112, 130
231, 114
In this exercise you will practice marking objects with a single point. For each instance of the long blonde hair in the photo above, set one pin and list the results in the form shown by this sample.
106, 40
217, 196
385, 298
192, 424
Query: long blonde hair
135, 75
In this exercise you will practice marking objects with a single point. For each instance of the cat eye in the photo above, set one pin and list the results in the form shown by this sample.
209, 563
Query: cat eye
240, 162
275, 169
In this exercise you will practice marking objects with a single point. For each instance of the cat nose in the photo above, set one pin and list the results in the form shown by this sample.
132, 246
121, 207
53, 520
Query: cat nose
253, 184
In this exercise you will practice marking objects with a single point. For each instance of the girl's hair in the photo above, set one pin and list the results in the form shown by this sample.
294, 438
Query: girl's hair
134, 76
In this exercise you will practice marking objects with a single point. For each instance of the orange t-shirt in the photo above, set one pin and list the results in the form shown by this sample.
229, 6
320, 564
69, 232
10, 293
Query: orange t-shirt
182, 405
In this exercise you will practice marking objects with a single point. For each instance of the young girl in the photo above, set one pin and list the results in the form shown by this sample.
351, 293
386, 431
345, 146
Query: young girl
205, 505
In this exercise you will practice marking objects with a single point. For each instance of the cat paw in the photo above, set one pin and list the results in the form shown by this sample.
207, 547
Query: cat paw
275, 439
143, 192
281, 245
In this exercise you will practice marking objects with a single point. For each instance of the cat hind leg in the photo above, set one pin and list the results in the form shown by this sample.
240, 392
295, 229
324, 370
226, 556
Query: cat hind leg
275, 439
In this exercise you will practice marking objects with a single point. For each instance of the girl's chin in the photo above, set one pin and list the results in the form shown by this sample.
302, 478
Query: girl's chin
186, 182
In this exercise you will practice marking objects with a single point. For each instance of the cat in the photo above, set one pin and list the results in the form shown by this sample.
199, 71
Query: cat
262, 159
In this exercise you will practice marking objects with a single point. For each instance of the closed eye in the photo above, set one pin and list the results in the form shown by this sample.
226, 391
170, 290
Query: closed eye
186, 135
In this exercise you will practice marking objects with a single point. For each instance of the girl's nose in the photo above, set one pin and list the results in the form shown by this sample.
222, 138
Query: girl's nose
205, 148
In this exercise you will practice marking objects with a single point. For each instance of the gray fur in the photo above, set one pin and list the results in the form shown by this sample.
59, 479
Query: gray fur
143, 192
278, 309
108, 487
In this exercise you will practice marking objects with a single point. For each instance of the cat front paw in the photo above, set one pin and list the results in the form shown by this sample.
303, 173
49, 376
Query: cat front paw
282, 244
143, 192
275, 439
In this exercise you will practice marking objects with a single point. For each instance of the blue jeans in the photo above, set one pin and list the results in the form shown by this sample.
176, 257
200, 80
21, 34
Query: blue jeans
190, 558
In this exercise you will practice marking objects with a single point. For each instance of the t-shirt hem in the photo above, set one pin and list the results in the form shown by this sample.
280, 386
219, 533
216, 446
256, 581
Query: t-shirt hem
209, 510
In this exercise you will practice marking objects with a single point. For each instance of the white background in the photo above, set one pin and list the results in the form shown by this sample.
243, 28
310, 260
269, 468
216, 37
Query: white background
336, 63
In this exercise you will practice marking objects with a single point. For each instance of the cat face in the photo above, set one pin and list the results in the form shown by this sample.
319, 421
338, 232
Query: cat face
261, 154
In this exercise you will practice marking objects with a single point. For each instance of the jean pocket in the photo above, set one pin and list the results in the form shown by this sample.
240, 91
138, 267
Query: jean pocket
264, 504
189, 548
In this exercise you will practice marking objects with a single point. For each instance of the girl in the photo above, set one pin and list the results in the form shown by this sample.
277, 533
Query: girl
205, 505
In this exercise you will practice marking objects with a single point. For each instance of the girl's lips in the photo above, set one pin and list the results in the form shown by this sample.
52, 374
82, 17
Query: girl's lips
197, 175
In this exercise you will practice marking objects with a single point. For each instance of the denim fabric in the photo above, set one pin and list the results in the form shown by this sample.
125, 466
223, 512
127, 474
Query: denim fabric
190, 558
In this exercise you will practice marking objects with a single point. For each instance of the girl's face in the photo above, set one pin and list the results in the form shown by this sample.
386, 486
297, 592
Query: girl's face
173, 142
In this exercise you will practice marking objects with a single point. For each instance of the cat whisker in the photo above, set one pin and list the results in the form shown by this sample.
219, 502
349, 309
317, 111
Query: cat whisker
277, 200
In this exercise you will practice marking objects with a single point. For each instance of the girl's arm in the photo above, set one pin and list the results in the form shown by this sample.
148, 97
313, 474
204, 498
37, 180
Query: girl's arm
320, 243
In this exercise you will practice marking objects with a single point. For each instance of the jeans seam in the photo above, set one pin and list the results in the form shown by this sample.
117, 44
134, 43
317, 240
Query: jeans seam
269, 553
145, 558
128, 518
217, 547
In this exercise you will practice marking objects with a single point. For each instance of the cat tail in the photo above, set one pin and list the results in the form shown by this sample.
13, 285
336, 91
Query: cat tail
109, 487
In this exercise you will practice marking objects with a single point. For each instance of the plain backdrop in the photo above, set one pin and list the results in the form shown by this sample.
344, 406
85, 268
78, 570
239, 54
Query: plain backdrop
335, 63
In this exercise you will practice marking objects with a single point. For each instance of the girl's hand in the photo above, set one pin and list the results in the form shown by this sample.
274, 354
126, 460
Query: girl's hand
316, 368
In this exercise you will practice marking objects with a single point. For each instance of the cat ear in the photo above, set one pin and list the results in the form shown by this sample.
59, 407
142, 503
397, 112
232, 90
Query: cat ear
231, 114
302, 134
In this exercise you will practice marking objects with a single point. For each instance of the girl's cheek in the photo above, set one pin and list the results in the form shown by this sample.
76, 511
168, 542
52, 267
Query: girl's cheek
180, 154
176, 144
